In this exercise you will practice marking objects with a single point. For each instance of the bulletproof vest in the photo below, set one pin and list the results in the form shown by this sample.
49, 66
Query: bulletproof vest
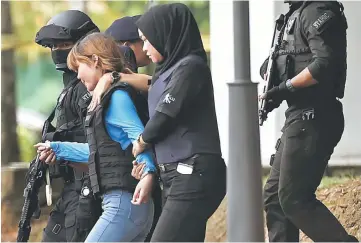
295, 55
66, 118
184, 141
109, 165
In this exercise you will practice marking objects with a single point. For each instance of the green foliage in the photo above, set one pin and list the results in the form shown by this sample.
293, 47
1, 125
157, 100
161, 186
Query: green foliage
27, 139
38, 83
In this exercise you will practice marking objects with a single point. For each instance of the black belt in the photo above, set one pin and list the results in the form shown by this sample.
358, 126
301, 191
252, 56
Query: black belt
171, 166
167, 166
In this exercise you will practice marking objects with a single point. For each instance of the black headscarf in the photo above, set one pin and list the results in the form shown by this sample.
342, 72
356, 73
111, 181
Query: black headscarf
173, 31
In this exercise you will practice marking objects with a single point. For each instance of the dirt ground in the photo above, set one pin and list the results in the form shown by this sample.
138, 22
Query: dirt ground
344, 200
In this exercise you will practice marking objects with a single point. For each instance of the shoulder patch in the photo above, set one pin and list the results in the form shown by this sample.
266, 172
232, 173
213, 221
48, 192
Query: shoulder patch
86, 97
326, 16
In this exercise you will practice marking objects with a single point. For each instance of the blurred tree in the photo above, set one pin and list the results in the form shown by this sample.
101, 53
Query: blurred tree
9, 141
37, 80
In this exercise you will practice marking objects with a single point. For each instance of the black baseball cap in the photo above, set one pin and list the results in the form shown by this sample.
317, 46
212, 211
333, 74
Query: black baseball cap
124, 29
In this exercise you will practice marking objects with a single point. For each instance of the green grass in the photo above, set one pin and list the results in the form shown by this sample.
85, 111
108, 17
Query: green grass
331, 180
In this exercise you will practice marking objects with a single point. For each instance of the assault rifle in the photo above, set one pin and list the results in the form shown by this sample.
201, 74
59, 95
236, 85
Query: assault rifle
270, 78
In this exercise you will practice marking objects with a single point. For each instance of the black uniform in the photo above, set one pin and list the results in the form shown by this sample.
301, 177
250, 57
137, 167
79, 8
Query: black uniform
183, 125
76, 211
314, 37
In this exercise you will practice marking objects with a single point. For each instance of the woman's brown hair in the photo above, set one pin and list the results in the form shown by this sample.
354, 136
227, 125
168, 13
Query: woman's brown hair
110, 58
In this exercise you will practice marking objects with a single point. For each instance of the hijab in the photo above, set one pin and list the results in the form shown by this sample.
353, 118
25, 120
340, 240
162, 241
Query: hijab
173, 32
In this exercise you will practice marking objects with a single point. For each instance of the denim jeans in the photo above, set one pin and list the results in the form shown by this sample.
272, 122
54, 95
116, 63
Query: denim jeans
121, 220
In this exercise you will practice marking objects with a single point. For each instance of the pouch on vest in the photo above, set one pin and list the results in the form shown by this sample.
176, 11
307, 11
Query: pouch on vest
285, 68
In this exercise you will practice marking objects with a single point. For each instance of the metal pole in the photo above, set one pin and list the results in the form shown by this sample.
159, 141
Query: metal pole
244, 181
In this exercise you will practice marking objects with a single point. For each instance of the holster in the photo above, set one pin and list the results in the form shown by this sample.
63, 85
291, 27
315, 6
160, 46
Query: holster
87, 213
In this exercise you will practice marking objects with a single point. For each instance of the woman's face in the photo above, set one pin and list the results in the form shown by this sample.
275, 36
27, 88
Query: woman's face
152, 53
89, 74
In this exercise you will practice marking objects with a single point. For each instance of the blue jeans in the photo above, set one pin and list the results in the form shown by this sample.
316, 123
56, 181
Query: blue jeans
121, 220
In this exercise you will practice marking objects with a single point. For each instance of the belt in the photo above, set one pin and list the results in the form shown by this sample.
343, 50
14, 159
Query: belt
167, 166
171, 166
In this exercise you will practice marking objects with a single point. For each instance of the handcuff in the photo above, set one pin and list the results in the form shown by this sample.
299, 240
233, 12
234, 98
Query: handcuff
48, 189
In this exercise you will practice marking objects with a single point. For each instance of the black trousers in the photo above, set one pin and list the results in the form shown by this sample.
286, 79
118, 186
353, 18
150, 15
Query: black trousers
73, 216
190, 199
301, 157
61, 222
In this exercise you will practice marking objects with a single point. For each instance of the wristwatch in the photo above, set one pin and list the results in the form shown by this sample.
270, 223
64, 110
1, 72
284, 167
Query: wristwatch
290, 86
140, 141
115, 77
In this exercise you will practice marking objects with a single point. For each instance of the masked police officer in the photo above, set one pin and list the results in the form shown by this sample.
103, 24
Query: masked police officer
311, 69
76, 211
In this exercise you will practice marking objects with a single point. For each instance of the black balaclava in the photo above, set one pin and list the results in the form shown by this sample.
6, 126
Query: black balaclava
173, 32
59, 58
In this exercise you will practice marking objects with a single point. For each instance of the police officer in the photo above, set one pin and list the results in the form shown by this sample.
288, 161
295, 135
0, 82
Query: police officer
76, 211
183, 125
311, 69
125, 32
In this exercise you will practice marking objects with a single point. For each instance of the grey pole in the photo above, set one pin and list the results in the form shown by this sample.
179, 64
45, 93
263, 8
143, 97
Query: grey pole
244, 182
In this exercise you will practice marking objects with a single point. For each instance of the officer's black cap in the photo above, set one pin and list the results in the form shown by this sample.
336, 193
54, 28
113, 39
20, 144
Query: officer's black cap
124, 29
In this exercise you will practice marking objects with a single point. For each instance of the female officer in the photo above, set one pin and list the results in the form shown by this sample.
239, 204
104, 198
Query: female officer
111, 128
183, 125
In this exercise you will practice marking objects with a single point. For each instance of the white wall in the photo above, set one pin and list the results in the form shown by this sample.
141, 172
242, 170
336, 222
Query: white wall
262, 16
349, 149
221, 31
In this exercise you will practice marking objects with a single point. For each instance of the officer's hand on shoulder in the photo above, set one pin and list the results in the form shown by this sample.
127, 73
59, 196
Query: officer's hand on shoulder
102, 86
